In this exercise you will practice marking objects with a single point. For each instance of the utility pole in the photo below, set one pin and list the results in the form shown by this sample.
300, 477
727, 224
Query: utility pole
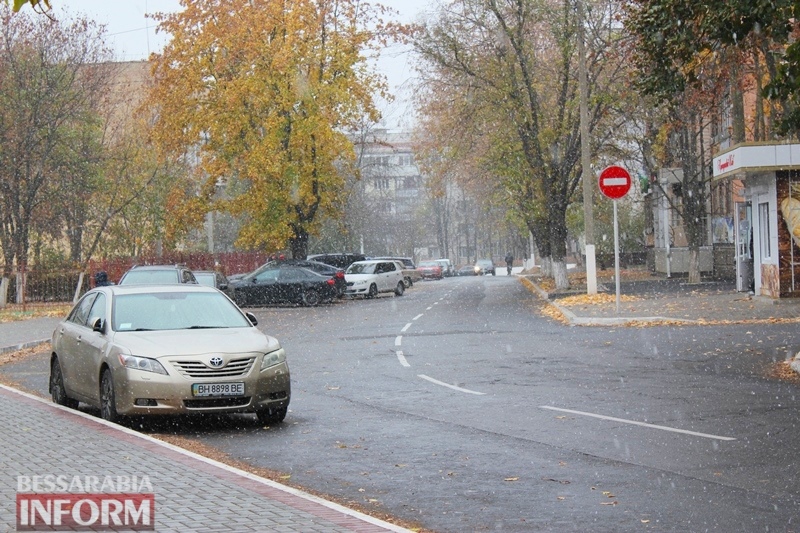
586, 157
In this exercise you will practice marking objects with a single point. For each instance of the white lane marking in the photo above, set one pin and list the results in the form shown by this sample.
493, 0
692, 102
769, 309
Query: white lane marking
635, 423
417, 317
405, 328
402, 359
398, 340
428, 309
443, 384
435, 303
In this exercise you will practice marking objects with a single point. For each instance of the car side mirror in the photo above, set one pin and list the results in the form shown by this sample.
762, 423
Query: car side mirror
251, 317
99, 325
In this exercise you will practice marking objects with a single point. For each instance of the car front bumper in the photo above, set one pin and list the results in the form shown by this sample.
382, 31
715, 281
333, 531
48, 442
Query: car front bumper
147, 393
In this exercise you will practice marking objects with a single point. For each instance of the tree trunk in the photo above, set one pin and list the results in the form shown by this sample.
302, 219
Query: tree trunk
694, 265
298, 244
560, 274
546, 267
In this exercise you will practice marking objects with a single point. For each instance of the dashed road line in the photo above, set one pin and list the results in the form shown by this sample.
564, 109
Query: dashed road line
405, 328
449, 386
398, 340
636, 423
402, 359
418, 316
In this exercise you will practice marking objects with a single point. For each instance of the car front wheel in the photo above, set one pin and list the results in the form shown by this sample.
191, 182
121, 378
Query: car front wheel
108, 401
57, 390
272, 415
373, 291
400, 289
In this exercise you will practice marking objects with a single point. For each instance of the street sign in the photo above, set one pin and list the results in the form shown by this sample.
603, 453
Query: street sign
614, 182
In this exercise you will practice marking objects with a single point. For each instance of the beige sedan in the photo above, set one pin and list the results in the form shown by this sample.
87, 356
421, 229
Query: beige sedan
169, 349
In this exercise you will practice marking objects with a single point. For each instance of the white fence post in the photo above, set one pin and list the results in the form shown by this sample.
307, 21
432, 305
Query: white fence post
78, 288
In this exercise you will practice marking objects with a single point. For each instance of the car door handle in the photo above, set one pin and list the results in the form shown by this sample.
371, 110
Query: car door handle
78, 339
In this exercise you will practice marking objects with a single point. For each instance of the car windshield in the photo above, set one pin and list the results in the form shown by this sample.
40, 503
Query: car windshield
429, 264
205, 278
175, 310
149, 277
361, 268
484, 262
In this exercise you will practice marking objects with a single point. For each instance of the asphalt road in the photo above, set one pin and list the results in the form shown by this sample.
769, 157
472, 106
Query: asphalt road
459, 407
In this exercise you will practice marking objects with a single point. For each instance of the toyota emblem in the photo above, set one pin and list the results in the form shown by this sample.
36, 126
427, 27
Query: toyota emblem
216, 362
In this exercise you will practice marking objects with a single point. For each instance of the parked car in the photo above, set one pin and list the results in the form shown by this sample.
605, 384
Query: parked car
157, 275
212, 278
430, 270
447, 267
320, 268
467, 270
283, 283
167, 349
342, 260
368, 278
484, 266
410, 273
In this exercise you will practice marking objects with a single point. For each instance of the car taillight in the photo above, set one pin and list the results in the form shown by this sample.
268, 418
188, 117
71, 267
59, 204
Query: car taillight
339, 274
331, 282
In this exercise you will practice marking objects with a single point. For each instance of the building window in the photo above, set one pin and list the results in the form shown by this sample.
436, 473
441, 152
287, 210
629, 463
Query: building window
763, 230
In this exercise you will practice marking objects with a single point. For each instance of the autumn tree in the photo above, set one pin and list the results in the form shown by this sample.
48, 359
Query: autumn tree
692, 59
261, 93
511, 68
49, 91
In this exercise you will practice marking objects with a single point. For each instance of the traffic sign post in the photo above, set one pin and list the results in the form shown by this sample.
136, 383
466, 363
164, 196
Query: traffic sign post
614, 183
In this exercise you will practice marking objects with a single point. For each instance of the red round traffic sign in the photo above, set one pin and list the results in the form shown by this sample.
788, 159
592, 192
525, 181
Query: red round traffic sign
614, 182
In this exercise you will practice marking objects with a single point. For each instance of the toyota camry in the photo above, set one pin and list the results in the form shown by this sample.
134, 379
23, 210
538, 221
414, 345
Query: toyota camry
171, 349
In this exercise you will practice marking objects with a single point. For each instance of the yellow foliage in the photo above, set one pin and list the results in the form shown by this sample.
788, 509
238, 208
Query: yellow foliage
262, 92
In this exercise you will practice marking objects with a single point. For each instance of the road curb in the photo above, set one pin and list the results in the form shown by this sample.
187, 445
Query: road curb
22, 346
595, 321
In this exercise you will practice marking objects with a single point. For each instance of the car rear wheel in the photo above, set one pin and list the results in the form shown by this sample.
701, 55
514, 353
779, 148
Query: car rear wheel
400, 289
311, 298
57, 390
108, 401
272, 415
408, 283
373, 291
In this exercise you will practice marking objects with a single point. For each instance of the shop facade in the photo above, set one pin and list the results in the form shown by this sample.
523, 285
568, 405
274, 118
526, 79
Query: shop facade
766, 216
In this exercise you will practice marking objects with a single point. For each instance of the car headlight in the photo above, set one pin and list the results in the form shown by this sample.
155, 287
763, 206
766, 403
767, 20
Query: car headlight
142, 363
273, 358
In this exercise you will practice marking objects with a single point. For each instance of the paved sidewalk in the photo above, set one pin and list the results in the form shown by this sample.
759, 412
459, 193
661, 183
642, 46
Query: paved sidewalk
192, 493
662, 300
21, 334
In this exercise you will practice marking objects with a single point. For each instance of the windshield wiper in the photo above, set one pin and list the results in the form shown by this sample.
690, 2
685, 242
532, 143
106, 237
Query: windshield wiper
202, 327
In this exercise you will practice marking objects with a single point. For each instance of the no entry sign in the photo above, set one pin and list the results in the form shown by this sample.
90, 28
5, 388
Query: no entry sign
614, 182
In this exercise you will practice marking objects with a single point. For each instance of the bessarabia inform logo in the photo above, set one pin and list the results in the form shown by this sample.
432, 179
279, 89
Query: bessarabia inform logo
87, 503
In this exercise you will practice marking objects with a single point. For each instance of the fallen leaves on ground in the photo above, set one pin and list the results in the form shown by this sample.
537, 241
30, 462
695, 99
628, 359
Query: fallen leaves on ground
784, 372
594, 299
17, 312
554, 313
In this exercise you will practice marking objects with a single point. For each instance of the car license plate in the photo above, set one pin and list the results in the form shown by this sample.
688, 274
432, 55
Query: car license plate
218, 389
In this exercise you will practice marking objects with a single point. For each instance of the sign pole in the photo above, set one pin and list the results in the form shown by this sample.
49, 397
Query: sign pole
614, 183
616, 252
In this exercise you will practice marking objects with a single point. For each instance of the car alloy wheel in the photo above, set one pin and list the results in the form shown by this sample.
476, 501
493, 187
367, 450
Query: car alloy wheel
373, 291
398, 291
311, 298
108, 405
57, 390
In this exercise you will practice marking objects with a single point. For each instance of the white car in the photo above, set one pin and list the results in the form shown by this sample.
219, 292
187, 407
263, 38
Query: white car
368, 278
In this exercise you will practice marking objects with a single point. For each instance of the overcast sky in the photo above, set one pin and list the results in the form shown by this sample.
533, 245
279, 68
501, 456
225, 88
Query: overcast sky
133, 36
